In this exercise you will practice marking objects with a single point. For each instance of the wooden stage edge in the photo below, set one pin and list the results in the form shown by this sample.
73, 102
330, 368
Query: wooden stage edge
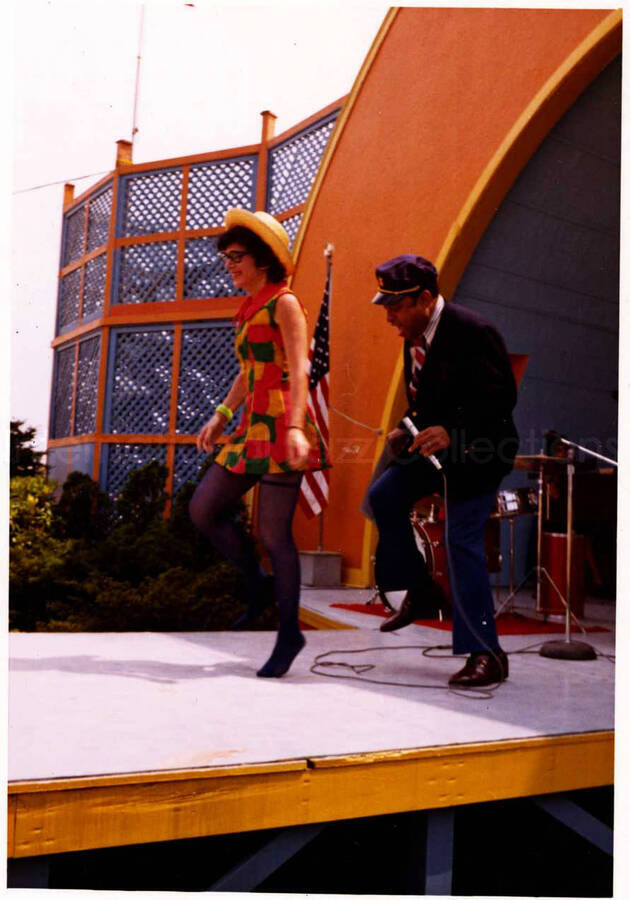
58, 816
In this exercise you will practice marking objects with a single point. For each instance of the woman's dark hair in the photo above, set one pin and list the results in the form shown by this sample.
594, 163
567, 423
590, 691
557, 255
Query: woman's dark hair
264, 257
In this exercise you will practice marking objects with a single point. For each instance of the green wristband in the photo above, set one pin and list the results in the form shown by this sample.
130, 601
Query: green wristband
225, 411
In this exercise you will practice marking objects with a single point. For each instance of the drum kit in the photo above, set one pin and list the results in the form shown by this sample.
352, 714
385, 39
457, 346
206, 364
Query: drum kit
556, 550
428, 526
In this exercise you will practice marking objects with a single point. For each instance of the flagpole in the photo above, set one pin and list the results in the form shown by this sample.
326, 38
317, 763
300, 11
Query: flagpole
328, 253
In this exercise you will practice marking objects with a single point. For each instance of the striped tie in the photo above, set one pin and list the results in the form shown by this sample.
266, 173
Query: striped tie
418, 354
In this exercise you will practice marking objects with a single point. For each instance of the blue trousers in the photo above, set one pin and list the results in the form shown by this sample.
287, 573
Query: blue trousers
400, 566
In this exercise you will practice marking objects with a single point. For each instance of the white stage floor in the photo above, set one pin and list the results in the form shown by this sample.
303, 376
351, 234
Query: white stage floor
100, 704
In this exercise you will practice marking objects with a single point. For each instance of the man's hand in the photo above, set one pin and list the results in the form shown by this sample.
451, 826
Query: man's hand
398, 440
430, 440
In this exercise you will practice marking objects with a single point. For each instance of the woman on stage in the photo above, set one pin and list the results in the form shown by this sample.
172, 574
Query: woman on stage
276, 440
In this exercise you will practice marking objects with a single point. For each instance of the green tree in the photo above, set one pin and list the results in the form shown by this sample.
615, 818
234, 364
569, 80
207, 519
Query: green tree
83, 510
30, 507
144, 496
25, 460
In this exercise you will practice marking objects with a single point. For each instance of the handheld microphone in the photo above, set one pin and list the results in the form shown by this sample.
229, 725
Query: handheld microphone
552, 435
413, 431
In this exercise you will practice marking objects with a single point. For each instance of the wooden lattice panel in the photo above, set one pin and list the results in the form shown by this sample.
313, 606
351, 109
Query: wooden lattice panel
145, 273
204, 273
139, 381
149, 203
99, 216
207, 370
215, 187
291, 226
188, 461
293, 165
119, 460
73, 236
87, 385
94, 287
69, 300
62, 392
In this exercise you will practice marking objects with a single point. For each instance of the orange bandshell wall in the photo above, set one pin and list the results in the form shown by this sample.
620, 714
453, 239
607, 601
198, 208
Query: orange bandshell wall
448, 107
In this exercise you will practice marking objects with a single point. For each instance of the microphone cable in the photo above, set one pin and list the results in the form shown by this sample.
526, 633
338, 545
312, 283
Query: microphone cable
483, 693
473, 693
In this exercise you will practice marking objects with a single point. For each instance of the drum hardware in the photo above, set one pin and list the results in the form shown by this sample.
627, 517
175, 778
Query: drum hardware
509, 505
539, 464
569, 649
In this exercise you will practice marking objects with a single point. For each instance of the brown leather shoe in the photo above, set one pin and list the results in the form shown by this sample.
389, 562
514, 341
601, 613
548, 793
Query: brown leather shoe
429, 603
482, 669
405, 615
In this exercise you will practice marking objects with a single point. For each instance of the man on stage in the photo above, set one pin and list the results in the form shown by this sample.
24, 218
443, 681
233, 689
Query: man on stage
461, 393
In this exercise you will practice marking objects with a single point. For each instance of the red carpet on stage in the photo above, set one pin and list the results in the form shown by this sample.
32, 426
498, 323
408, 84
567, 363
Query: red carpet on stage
508, 623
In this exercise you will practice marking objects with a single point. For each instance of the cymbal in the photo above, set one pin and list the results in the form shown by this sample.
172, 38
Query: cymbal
534, 461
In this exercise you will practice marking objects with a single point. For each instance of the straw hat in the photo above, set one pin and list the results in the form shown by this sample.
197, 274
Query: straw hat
268, 230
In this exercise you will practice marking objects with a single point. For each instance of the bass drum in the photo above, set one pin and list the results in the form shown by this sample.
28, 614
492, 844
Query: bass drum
430, 542
429, 535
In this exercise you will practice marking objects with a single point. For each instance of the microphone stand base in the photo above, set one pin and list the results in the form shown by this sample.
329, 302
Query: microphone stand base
567, 650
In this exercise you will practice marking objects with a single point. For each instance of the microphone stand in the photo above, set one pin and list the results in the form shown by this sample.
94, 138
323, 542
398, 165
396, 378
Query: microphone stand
568, 649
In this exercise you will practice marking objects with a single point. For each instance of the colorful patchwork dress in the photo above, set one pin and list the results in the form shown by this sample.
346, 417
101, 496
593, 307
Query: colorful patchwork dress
259, 445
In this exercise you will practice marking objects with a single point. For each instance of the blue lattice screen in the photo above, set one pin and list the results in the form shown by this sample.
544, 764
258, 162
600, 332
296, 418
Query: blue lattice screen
214, 187
94, 287
291, 226
139, 381
149, 203
99, 216
62, 393
69, 301
293, 165
145, 273
188, 461
119, 460
87, 385
204, 273
98, 211
73, 236
208, 368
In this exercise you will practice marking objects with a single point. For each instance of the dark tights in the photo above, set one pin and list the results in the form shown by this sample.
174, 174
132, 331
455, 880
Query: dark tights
211, 512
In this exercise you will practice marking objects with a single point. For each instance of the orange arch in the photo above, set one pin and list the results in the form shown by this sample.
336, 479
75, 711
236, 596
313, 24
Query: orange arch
428, 144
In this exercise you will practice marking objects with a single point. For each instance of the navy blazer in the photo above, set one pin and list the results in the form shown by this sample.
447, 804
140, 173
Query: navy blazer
466, 385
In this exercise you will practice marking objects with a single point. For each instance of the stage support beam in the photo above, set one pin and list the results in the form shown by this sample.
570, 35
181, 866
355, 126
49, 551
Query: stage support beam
438, 875
253, 871
28, 872
578, 820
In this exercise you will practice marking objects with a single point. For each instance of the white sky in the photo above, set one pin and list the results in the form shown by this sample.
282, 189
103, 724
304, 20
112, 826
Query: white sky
207, 73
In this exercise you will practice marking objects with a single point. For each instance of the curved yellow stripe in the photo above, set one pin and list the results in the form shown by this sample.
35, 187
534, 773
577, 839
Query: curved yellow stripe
339, 127
541, 114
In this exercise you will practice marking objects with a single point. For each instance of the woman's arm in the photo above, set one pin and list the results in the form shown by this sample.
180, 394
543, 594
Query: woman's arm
292, 322
213, 429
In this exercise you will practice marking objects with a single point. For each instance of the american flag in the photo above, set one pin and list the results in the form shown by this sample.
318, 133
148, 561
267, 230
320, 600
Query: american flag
314, 491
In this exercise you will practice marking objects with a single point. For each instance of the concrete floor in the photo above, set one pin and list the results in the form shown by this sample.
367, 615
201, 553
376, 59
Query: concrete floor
93, 704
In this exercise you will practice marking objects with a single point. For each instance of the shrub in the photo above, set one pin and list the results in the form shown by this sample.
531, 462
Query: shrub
143, 497
83, 510
75, 568
31, 507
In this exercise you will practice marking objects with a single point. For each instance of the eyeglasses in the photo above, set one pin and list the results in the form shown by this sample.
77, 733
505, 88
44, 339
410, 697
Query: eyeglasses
232, 256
